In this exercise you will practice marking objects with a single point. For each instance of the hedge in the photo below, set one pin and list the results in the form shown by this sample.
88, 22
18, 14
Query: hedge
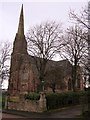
58, 100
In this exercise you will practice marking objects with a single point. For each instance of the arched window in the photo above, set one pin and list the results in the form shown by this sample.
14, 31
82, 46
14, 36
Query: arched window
69, 84
78, 81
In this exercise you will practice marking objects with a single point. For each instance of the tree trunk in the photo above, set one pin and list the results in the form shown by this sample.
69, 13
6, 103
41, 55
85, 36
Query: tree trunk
74, 76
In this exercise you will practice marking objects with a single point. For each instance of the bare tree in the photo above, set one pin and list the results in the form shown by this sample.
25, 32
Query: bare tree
84, 20
74, 49
4, 61
43, 43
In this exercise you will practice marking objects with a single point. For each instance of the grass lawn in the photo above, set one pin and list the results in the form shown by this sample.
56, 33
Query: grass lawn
0, 102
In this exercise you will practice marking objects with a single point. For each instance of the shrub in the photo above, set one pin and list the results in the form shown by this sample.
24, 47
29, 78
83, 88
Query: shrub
57, 100
32, 96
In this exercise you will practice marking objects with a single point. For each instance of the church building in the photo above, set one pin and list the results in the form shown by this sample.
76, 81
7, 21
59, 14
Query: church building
23, 78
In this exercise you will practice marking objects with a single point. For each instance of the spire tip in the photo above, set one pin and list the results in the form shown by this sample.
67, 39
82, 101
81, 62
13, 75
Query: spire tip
21, 22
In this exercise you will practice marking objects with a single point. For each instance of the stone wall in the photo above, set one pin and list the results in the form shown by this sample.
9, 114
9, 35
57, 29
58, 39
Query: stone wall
28, 105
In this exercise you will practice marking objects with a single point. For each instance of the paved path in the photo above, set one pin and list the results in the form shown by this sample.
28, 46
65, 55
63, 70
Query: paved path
4, 115
70, 112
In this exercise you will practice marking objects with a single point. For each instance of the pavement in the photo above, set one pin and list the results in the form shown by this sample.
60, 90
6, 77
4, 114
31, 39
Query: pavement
69, 112
5, 115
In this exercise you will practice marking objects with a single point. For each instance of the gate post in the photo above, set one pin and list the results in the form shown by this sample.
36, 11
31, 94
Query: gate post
42, 102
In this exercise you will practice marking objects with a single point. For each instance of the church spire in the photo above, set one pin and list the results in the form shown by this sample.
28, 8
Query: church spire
20, 44
21, 23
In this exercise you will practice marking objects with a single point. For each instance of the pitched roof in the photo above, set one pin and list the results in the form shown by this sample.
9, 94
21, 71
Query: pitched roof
62, 67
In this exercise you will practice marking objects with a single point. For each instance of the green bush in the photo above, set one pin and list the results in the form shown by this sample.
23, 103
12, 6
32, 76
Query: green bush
32, 96
55, 100
58, 100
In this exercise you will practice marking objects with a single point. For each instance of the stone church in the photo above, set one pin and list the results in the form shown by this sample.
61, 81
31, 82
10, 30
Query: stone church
23, 78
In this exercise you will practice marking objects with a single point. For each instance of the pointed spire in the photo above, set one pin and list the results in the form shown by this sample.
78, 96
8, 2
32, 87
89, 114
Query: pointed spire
21, 23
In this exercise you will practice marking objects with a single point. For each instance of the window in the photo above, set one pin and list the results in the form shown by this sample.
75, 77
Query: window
69, 84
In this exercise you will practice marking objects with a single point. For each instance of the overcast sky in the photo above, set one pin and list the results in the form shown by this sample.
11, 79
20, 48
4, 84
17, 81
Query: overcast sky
34, 13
